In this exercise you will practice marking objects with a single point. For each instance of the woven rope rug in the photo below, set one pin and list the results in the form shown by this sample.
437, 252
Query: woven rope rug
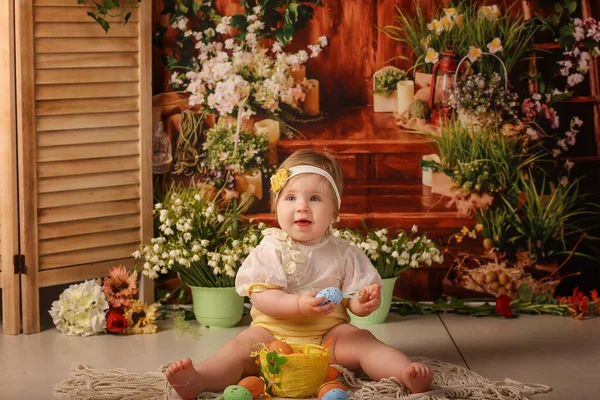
450, 382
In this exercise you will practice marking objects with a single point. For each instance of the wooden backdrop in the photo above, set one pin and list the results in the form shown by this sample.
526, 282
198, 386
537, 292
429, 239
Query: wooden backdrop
357, 47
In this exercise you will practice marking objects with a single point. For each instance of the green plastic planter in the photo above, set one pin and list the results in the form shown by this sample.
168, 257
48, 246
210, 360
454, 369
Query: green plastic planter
217, 307
378, 316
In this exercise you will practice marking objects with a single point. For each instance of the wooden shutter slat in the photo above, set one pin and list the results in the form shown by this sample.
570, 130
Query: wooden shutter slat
86, 136
87, 106
90, 29
51, 185
105, 224
81, 121
79, 45
88, 211
86, 91
86, 60
84, 151
86, 75
92, 241
87, 256
75, 14
83, 167
87, 196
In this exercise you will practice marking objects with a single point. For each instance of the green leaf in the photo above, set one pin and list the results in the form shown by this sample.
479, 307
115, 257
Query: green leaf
239, 22
571, 6
195, 8
524, 292
553, 20
292, 12
558, 7
271, 17
169, 8
110, 4
542, 86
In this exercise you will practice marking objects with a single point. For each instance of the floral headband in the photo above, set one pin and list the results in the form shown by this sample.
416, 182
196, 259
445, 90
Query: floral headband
283, 175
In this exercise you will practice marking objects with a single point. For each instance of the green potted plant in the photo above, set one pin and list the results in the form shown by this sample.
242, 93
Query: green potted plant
481, 100
483, 162
552, 221
240, 167
205, 242
391, 255
385, 82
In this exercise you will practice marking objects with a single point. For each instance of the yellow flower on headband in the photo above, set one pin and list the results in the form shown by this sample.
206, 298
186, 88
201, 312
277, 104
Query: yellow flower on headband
279, 179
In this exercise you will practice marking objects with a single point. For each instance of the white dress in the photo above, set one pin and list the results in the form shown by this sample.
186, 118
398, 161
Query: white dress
280, 263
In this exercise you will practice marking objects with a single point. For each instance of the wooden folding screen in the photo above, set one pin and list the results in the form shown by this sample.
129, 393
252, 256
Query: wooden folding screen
9, 282
84, 144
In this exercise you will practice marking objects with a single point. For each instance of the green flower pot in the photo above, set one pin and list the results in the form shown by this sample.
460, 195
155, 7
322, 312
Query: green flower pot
217, 307
379, 315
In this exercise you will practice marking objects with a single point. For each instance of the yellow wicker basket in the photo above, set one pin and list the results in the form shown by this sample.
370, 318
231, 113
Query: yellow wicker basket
301, 375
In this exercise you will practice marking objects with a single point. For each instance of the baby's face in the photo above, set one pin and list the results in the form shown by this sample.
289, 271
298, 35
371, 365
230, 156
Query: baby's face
305, 208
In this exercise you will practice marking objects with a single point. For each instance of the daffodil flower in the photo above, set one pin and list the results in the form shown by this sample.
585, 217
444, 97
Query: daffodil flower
432, 56
489, 12
436, 26
450, 11
447, 23
495, 46
474, 53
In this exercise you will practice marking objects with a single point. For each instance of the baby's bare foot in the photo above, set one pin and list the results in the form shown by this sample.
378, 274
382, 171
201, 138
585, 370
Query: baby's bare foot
417, 377
184, 378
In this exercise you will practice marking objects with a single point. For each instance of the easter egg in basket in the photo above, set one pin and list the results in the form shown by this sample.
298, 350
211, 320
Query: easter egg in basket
281, 347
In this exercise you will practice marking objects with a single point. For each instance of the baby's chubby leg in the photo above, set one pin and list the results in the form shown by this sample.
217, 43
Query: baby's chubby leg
356, 348
225, 368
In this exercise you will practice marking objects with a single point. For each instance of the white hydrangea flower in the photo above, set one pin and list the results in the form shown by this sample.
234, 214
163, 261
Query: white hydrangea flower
80, 310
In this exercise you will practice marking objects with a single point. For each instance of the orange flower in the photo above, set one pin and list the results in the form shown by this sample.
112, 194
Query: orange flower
120, 286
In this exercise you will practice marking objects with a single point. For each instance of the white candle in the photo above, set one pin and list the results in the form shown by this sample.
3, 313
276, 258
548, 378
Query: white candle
427, 172
250, 181
311, 102
271, 129
406, 93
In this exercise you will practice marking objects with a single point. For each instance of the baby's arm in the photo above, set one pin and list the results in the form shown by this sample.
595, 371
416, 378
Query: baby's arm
279, 304
368, 302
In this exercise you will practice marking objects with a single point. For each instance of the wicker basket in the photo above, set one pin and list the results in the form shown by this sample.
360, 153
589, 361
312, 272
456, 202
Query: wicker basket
302, 374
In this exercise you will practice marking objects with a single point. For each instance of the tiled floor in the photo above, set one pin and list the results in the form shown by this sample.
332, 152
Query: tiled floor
557, 351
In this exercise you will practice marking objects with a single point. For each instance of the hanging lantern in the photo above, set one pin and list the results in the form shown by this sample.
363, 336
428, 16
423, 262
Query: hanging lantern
162, 158
442, 79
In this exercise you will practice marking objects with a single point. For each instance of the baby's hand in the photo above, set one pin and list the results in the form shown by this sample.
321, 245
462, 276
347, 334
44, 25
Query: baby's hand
311, 306
370, 297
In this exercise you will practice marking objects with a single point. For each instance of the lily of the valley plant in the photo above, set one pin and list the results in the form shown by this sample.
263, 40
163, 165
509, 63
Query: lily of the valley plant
201, 239
394, 254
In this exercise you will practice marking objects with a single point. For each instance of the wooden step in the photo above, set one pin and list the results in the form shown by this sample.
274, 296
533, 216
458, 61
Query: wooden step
368, 145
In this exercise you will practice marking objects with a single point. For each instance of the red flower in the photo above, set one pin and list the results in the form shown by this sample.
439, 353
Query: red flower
115, 321
503, 305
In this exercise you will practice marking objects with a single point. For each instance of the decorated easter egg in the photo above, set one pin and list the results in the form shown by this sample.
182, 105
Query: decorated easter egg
254, 384
281, 347
235, 392
335, 394
329, 386
331, 294
332, 374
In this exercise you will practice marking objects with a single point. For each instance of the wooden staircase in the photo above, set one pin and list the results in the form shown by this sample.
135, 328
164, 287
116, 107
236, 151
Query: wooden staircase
382, 184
